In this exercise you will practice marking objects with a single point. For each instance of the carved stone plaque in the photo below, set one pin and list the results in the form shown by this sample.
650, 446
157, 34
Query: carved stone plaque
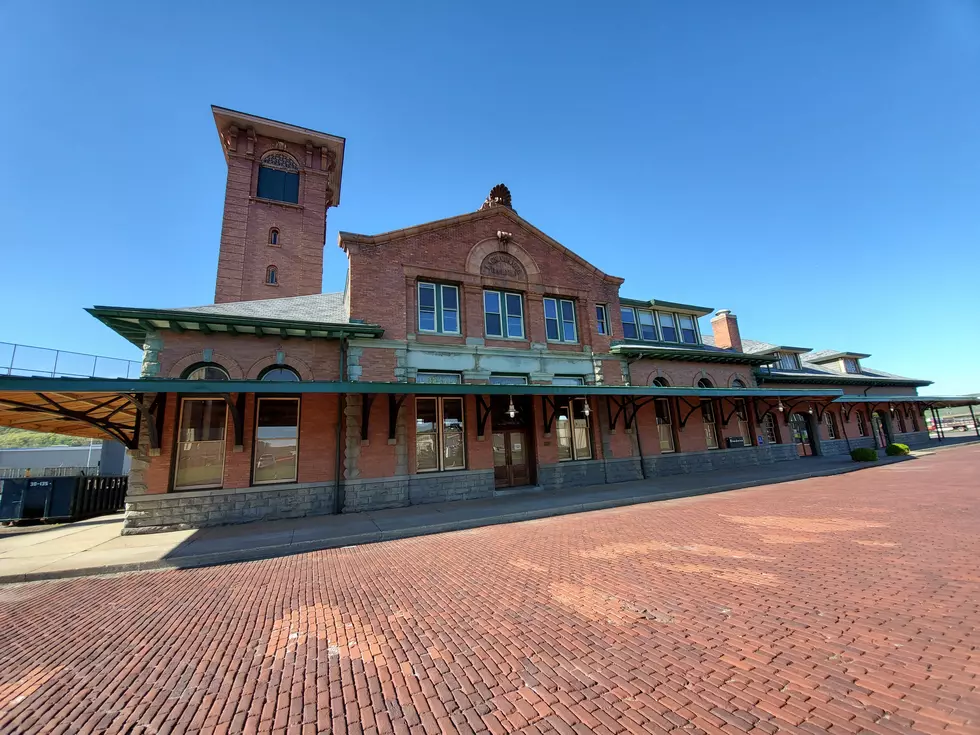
503, 265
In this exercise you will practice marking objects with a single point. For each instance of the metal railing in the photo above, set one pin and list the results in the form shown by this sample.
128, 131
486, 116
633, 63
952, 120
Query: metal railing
42, 361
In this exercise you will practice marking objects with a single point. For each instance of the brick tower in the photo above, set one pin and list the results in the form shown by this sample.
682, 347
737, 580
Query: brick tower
281, 181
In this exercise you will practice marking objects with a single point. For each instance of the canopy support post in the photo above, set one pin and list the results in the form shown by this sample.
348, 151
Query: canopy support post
974, 419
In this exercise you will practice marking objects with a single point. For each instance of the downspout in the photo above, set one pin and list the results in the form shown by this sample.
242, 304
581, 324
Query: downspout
341, 400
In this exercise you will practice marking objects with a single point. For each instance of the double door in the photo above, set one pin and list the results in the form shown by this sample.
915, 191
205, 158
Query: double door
511, 467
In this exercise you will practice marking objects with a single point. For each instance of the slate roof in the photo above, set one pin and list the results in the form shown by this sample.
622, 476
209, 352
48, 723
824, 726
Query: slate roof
328, 308
813, 370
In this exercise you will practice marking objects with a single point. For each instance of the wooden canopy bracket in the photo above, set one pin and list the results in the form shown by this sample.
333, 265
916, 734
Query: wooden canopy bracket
367, 399
548, 413
620, 411
482, 415
682, 419
637, 405
145, 415
114, 431
237, 408
394, 406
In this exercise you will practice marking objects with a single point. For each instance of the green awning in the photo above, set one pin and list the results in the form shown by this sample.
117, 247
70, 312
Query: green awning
931, 401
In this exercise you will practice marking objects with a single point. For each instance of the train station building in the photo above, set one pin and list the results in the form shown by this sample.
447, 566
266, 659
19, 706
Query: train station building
465, 358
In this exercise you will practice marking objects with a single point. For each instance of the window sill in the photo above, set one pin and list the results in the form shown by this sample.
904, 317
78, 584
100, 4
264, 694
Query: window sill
287, 205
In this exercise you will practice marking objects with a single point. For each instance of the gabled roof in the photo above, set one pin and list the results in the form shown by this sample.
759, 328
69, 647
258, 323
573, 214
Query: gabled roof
343, 238
315, 316
822, 356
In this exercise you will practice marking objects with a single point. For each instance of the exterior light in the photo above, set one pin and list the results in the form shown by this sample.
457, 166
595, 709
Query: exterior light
587, 411
810, 410
511, 411
780, 406
892, 407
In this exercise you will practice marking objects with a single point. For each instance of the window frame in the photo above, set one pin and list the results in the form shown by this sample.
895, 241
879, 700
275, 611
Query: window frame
176, 454
285, 183
831, 423
263, 375
634, 322
851, 361
661, 327
272, 276
568, 406
440, 433
504, 314
255, 438
189, 371
560, 320
653, 325
439, 309
507, 379
602, 320
274, 237
695, 330
862, 424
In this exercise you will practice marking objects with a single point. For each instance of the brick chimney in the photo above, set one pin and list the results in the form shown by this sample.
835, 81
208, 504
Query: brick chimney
724, 326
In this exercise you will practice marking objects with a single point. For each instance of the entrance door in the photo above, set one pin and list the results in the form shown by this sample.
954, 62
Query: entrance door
510, 465
801, 434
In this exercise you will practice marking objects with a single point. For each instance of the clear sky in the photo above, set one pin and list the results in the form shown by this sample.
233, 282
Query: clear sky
813, 166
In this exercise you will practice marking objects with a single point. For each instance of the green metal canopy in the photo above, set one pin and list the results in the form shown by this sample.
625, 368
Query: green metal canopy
930, 401
135, 324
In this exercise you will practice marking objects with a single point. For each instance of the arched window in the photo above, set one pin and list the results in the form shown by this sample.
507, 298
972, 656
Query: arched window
705, 383
278, 178
661, 383
206, 371
272, 276
738, 383
279, 373
274, 236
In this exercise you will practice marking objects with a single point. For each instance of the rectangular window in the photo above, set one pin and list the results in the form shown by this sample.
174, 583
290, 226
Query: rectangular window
788, 361
200, 461
559, 320
601, 320
508, 380
664, 428
769, 426
572, 431
648, 329
439, 434
439, 378
851, 365
689, 329
438, 307
861, 425
710, 429
828, 419
629, 323
503, 314
742, 412
276, 440
567, 380
668, 329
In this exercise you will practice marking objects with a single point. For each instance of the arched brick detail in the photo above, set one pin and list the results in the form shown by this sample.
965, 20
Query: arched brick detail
492, 245
660, 373
233, 368
740, 376
301, 367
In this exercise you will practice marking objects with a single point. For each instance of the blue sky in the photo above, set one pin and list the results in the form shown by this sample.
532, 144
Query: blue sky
814, 166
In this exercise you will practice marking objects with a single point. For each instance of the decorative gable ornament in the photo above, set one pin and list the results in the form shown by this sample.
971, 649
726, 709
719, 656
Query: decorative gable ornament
499, 197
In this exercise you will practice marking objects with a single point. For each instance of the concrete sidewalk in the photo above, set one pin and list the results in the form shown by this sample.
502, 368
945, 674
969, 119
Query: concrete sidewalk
96, 546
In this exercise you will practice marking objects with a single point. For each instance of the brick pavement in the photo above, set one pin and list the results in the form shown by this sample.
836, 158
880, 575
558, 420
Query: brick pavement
844, 604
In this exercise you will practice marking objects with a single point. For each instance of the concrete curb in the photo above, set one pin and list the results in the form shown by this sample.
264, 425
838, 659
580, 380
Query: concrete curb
270, 552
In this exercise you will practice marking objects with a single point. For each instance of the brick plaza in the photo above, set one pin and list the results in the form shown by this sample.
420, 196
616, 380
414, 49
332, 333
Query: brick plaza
843, 604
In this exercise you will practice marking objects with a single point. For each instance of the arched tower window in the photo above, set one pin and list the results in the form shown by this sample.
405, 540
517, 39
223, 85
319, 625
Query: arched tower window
272, 276
274, 236
278, 178
205, 371
280, 373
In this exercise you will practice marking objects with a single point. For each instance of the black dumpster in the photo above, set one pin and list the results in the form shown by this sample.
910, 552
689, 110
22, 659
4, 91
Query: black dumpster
61, 498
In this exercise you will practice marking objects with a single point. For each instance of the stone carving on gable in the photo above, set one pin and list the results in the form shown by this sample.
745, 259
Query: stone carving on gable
503, 265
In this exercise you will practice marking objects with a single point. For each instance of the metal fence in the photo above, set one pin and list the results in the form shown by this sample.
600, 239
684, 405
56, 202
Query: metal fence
41, 361
11, 472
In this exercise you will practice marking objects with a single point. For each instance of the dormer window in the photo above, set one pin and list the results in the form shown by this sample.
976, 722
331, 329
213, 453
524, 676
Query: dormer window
788, 360
278, 178
851, 365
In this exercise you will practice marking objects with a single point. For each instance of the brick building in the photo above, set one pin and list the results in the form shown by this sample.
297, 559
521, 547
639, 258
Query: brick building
465, 357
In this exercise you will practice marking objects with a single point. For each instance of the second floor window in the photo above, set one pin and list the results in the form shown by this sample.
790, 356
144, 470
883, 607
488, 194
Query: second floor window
503, 314
629, 323
278, 179
601, 320
438, 308
559, 320
689, 329
667, 327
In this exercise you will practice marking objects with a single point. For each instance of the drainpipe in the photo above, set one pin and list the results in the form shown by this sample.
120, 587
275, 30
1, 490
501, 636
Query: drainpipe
341, 399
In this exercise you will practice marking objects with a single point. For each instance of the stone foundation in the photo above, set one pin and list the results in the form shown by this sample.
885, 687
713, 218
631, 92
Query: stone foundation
717, 459
565, 475
199, 508
913, 438
435, 487
839, 447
